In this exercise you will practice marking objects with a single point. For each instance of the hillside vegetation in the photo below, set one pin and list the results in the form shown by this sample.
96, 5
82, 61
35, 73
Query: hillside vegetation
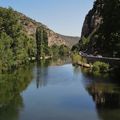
15, 46
101, 29
18, 44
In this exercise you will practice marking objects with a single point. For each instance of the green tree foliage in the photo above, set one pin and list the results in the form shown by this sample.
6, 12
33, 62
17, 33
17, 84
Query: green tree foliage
15, 46
64, 50
39, 42
44, 50
42, 42
57, 51
6, 54
106, 38
100, 67
76, 58
84, 42
76, 48
82, 45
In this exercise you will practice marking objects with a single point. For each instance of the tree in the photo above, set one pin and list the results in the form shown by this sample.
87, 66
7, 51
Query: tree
6, 53
41, 42
15, 46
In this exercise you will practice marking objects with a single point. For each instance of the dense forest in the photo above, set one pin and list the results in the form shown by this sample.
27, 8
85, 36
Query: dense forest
17, 47
103, 38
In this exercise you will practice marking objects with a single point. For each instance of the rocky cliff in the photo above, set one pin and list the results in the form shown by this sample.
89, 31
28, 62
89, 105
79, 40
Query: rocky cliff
70, 40
101, 29
91, 24
93, 19
53, 37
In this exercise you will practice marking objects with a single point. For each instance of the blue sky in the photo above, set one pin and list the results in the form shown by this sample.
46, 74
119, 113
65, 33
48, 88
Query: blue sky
63, 16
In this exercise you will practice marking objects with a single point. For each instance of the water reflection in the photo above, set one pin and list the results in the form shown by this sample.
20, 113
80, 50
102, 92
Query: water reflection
107, 100
42, 69
11, 85
41, 74
106, 95
65, 92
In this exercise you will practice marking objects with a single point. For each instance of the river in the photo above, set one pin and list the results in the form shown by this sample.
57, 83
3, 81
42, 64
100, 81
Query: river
57, 91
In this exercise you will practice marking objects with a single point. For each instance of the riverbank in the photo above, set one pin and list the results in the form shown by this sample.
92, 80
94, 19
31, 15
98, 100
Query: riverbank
86, 65
41, 58
97, 68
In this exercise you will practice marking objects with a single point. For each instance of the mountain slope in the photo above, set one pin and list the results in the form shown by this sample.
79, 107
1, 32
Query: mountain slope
93, 19
30, 26
21, 39
70, 40
101, 29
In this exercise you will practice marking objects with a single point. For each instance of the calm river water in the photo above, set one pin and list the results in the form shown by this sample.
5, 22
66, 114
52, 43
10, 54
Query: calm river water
57, 91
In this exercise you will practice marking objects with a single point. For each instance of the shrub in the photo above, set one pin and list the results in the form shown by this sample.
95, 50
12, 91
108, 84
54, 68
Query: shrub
64, 50
76, 58
100, 67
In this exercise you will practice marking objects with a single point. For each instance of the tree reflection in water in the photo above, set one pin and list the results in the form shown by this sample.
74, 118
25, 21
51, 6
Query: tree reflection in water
41, 73
42, 69
107, 99
106, 95
11, 85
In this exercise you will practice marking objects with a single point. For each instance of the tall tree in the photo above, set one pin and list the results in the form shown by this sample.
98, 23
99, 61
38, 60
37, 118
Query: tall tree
41, 41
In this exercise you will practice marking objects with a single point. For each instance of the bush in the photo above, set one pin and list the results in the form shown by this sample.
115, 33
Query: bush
76, 58
59, 50
100, 67
64, 50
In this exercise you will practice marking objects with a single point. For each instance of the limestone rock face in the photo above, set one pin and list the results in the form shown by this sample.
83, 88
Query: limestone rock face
53, 37
93, 19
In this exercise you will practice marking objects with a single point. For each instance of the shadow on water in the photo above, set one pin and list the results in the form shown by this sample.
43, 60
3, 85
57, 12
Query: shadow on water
105, 92
11, 85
